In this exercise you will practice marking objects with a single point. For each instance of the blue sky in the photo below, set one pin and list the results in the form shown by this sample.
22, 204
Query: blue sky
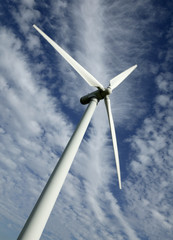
40, 108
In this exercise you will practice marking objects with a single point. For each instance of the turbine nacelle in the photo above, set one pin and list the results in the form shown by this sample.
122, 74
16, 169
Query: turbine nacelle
99, 95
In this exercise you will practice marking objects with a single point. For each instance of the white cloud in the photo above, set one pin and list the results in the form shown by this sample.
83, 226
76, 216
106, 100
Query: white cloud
26, 16
28, 3
33, 42
106, 39
163, 100
149, 196
29, 146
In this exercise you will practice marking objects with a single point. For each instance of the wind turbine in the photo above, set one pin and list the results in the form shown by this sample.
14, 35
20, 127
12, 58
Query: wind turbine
37, 220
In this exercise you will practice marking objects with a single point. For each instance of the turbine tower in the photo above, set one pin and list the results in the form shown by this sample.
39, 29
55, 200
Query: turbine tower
37, 220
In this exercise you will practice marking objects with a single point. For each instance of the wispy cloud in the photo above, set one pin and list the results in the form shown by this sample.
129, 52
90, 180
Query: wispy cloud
39, 102
149, 193
29, 122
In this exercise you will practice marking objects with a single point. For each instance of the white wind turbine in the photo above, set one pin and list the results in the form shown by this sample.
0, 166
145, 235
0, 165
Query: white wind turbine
37, 220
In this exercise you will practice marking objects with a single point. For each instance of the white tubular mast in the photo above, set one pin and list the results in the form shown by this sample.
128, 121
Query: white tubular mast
37, 220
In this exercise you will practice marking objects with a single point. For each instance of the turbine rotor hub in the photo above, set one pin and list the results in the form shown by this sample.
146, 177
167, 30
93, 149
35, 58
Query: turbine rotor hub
99, 95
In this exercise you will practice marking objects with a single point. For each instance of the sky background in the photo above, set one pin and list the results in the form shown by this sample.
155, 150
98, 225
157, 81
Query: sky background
40, 108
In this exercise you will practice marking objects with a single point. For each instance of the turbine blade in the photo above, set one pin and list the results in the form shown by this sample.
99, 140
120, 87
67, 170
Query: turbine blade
120, 78
114, 140
84, 73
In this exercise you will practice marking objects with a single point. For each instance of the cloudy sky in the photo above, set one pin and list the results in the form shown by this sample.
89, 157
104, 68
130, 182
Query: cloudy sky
40, 108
